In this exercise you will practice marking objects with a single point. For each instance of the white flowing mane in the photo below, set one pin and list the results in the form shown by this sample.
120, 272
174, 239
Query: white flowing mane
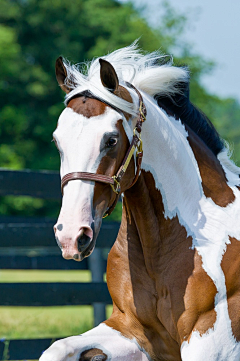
143, 71
131, 65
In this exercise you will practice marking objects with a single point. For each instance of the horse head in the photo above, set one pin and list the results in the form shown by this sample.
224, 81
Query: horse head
92, 138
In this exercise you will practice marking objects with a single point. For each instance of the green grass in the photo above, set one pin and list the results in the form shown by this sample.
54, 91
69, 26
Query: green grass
44, 276
41, 322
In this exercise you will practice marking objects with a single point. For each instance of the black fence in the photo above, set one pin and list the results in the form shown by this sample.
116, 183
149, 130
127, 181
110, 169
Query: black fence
28, 243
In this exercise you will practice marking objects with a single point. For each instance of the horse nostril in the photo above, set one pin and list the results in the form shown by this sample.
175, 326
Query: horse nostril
99, 358
93, 355
57, 227
83, 241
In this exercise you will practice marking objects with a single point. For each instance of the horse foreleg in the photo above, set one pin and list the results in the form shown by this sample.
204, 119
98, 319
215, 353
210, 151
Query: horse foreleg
102, 343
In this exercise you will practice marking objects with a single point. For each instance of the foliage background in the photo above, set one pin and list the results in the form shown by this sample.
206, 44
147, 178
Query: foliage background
34, 33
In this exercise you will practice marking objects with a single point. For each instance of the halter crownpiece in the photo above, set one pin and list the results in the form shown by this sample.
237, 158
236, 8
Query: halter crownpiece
115, 180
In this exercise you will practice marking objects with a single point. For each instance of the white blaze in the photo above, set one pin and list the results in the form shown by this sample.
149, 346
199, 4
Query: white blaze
80, 141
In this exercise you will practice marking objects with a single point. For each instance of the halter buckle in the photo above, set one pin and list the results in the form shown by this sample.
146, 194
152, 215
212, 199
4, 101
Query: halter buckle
139, 142
116, 186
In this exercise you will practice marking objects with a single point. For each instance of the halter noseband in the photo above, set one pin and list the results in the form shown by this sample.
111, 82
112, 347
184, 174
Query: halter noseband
115, 180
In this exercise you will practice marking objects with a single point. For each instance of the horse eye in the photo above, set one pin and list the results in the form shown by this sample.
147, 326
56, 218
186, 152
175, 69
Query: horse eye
111, 142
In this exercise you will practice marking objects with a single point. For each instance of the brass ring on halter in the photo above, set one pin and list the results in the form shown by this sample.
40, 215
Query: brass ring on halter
134, 132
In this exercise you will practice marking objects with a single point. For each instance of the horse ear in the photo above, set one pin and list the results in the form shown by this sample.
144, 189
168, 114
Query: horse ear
61, 74
108, 75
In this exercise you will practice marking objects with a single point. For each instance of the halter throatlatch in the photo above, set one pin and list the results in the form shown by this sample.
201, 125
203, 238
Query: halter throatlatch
115, 181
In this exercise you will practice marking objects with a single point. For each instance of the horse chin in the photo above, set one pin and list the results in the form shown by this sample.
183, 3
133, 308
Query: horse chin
79, 256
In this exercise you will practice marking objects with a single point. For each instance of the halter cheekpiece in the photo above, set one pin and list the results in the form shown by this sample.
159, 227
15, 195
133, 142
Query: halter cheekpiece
114, 181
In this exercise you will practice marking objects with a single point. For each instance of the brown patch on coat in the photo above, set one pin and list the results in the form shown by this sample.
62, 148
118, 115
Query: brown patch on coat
93, 353
199, 301
88, 107
214, 180
91, 107
178, 272
231, 268
130, 280
159, 289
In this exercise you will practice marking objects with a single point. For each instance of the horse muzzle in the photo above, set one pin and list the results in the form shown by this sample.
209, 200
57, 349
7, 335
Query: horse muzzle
75, 247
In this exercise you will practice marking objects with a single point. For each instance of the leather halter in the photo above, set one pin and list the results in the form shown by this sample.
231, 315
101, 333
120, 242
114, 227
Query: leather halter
115, 180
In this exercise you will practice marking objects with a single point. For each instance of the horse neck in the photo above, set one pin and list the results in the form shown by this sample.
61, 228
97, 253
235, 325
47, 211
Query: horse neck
153, 206
178, 173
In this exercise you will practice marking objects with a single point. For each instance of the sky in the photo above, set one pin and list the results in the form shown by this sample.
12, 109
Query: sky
214, 32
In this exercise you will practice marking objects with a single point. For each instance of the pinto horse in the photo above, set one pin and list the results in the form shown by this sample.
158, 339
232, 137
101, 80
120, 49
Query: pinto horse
174, 270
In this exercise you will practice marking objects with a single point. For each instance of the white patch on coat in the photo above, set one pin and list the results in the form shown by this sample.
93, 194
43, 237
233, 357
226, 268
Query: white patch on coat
111, 342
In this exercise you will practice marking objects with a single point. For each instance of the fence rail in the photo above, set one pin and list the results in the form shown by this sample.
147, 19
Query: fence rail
39, 233
43, 184
28, 243
53, 294
23, 349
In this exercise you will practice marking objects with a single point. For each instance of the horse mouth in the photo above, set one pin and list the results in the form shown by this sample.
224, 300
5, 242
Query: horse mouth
85, 246
87, 251
83, 242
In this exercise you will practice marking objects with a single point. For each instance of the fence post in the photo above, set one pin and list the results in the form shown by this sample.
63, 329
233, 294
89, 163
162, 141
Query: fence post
96, 266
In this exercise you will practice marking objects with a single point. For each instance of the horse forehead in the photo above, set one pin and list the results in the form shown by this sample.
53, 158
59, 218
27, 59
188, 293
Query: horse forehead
73, 124
88, 107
